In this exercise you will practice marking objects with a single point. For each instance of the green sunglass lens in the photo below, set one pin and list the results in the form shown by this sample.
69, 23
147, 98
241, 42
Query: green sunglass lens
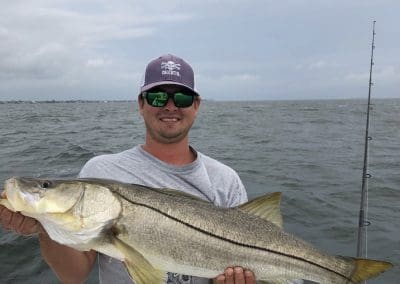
182, 100
157, 99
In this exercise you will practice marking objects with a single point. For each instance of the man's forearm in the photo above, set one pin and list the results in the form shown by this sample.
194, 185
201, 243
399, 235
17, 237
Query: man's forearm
70, 265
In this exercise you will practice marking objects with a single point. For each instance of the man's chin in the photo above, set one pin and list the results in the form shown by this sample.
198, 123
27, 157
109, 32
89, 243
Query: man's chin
168, 137
171, 139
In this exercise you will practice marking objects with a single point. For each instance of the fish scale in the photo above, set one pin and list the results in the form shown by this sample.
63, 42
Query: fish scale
183, 213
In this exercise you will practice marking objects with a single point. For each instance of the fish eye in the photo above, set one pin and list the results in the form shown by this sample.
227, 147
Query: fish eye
46, 184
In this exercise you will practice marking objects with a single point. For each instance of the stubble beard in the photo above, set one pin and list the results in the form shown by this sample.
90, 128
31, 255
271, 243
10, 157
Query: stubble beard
168, 137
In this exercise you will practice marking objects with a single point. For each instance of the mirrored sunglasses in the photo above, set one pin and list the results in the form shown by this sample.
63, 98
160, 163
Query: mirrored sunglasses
158, 98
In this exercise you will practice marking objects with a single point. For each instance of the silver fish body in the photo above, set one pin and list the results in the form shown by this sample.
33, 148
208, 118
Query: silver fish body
158, 230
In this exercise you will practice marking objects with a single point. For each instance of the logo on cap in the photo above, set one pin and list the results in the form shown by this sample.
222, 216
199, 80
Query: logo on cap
170, 68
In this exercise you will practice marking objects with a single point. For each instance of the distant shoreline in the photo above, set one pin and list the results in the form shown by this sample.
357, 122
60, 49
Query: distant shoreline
132, 101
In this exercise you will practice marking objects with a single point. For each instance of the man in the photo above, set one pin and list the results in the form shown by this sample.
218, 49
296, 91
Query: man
169, 104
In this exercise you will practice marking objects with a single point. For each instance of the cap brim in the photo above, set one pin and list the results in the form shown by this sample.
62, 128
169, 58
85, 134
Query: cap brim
150, 86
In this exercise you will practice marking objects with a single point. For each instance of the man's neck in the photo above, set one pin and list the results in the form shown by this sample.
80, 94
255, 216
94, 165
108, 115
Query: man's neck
178, 154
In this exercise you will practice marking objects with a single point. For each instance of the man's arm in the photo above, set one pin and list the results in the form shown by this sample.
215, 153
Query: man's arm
70, 265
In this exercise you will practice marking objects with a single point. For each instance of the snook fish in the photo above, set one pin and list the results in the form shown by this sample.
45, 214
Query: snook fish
157, 230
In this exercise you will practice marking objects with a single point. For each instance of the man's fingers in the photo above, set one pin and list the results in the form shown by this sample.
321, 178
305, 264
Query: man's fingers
17, 222
1, 210
28, 226
236, 275
239, 275
5, 217
229, 276
249, 277
220, 279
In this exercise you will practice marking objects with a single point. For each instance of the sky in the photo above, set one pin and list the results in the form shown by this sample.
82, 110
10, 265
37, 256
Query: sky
239, 50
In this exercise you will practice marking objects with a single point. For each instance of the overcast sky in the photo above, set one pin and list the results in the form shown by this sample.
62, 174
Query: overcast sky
240, 50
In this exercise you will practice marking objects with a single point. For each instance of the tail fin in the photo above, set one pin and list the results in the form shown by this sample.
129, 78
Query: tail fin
368, 268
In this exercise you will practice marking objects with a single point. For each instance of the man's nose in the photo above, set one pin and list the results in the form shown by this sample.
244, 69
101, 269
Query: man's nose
170, 104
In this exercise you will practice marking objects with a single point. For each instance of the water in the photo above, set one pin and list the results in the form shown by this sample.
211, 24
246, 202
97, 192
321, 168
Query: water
312, 151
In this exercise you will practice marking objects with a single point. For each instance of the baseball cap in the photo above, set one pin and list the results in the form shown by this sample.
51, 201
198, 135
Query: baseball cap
168, 70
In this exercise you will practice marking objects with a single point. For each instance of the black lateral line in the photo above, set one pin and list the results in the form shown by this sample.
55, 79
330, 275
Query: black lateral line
233, 241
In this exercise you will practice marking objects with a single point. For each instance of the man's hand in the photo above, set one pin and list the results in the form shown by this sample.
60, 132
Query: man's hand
17, 222
236, 276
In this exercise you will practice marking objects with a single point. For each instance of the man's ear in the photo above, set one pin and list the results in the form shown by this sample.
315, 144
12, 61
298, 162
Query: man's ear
197, 103
140, 103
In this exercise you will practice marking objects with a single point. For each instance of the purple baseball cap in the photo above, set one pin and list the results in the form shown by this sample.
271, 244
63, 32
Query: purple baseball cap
168, 70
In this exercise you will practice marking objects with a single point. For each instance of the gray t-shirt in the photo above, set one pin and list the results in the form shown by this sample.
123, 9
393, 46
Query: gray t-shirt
205, 177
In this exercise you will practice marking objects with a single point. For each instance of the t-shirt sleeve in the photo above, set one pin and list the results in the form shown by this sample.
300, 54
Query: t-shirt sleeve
225, 182
237, 193
92, 169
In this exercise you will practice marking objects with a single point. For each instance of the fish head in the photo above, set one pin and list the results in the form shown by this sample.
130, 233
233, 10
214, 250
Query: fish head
40, 196
73, 212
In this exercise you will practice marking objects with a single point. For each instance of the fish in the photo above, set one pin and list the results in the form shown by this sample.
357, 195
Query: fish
155, 230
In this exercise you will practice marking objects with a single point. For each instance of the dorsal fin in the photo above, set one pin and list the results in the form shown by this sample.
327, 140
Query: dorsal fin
266, 207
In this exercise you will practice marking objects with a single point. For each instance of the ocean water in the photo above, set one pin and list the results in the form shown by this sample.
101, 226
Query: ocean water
312, 151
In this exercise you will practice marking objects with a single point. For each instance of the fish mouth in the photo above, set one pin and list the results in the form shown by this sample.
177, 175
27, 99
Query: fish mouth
37, 196
8, 196
16, 197
17, 186
8, 185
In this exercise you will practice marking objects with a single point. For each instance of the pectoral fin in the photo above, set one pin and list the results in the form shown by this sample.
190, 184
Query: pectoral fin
140, 270
266, 207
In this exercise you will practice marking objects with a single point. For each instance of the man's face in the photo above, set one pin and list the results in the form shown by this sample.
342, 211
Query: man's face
168, 124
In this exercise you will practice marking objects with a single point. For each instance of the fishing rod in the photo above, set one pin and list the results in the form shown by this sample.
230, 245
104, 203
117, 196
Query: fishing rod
363, 223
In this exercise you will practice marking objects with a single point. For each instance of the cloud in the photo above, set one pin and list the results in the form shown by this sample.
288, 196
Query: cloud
239, 78
98, 46
98, 62
230, 86
223, 81
317, 65
357, 77
45, 61
58, 40
386, 74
